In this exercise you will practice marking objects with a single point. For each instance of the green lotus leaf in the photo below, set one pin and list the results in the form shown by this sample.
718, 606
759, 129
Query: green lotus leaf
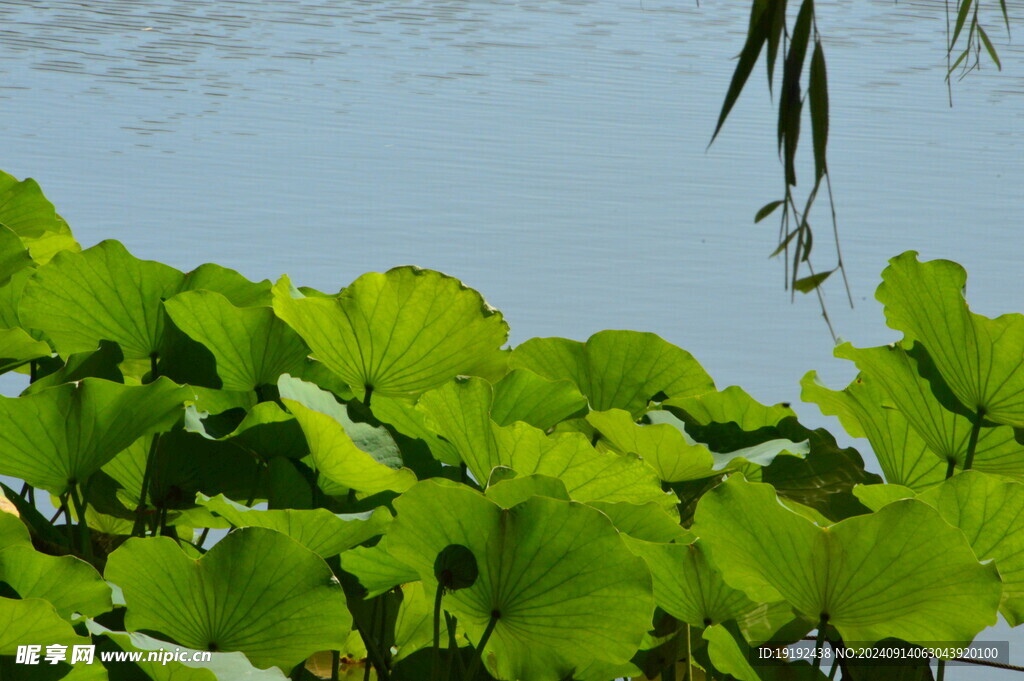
367, 436
252, 347
514, 491
214, 401
524, 396
824, 479
676, 456
239, 291
616, 369
732, 405
102, 293
70, 584
905, 378
79, 672
687, 585
417, 424
650, 521
773, 622
376, 569
265, 432
903, 454
316, 373
105, 293
356, 455
877, 496
10, 299
809, 512
459, 411
220, 666
17, 348
589, 475
256, 591
413, 629
396, 334
61, 436
14, 257
990, 513
12, 531
33, 621
980, 358
29, 214
103, 362
902, 572
726, 655
185, 464
662, 446
319, 530
554, 574
25, 515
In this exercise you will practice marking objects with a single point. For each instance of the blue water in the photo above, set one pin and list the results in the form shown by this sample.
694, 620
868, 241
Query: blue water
552, 154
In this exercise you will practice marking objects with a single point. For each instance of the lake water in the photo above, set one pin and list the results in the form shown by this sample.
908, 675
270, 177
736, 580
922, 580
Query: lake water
552, 154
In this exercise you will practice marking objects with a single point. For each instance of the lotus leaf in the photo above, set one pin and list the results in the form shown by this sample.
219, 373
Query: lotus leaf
105, 293
17, 348
903, 454
990, 513
30, 621
688, 586
70, 584
59, 437
256, 591
925, 402
377, 570
902, 572
616, 369
554, 576
29, 214
319, 530
981, 359
396, 334
459, 411
252, 347
522, 395
220, 666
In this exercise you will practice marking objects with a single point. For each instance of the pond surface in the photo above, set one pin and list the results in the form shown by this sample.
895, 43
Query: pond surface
552, 154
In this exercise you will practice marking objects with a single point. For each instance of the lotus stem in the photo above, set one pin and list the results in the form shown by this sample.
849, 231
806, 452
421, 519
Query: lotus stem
972, 443
67, 517
819, 643
85, 540
202, 537
385, 650
436, 666
335, 665
453, 648
139, 528
495, 616
372, 651
940, 670
367, 639
689, 655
